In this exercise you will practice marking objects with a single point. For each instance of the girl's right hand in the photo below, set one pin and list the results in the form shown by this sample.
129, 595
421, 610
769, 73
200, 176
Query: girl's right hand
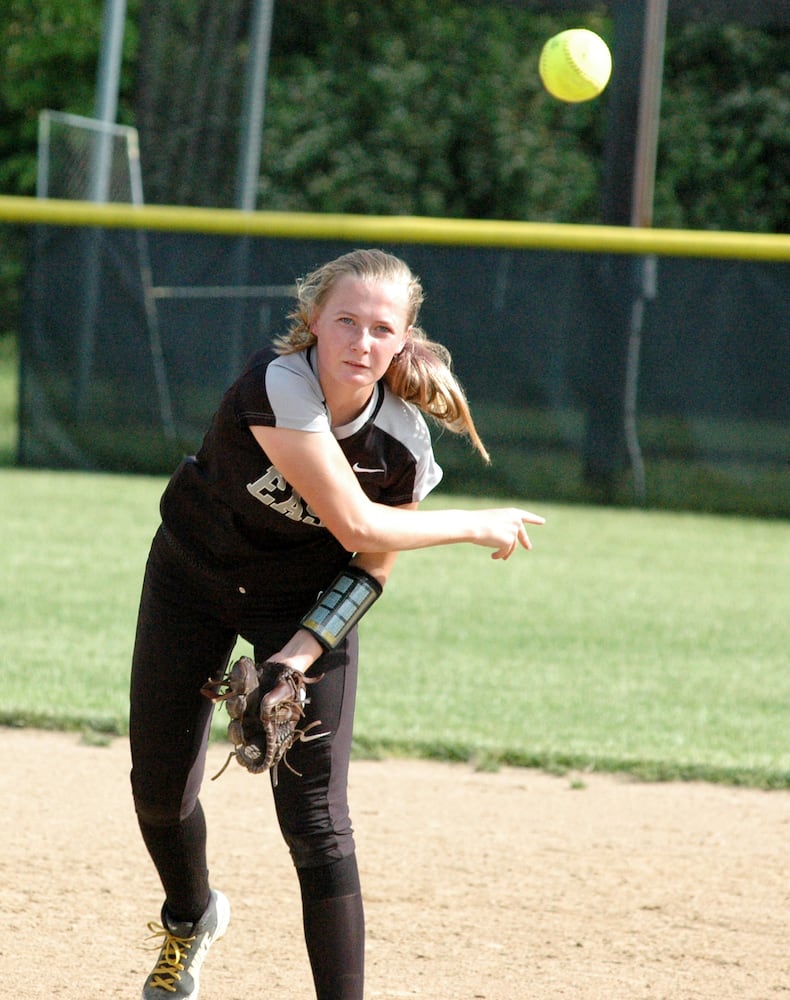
502, 529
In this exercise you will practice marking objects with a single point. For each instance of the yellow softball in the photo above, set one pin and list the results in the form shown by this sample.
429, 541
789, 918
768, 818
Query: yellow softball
575, 65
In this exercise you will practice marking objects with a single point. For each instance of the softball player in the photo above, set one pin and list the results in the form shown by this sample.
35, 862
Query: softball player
315, 461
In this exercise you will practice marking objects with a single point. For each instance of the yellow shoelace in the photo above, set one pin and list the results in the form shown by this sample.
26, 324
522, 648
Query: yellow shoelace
171, 958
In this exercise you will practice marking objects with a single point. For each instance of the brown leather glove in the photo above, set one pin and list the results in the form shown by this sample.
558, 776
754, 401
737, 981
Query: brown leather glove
265, 702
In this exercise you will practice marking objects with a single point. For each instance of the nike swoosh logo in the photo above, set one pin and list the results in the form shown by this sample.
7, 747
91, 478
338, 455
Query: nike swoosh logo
357, 468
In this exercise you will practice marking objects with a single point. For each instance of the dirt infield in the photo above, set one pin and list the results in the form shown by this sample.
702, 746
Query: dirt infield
478, 886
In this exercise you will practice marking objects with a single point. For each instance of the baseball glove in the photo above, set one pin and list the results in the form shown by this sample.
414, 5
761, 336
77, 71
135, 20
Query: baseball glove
265, 702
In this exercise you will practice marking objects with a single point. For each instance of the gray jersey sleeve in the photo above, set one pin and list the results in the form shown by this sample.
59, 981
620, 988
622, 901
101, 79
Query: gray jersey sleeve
295, 395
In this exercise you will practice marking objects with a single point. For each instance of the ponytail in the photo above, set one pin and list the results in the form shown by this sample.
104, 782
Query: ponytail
422, 374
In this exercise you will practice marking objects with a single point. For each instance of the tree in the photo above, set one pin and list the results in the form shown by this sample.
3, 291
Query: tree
48, 59
433, 110
724, 143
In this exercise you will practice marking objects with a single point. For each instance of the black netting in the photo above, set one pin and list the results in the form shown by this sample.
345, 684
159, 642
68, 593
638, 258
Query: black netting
121, 369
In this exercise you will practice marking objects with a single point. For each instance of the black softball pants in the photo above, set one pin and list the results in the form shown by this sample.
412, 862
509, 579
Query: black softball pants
188, 622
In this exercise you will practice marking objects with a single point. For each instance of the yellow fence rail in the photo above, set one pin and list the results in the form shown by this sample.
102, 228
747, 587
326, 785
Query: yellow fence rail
367, 229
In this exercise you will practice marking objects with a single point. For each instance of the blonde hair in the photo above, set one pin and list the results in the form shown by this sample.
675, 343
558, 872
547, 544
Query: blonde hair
422, 372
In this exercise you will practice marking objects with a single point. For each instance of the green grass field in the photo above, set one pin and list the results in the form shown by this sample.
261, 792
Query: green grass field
653, 643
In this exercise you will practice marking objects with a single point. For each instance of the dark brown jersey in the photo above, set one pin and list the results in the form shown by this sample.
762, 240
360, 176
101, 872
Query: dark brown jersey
232, 508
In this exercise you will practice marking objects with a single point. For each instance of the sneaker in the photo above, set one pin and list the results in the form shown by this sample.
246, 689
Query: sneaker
177, 972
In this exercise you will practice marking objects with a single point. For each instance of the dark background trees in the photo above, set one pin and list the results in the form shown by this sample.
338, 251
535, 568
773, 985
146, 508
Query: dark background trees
409, 106
403, 106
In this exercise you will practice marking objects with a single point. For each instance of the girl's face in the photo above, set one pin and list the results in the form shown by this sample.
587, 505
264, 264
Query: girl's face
359, 328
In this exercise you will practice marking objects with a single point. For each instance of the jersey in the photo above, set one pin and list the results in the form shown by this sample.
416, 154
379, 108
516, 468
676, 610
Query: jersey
231, 507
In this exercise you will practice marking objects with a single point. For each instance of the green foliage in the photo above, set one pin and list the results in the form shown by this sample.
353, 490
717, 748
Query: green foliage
9, 362
437, 113
13, 240
405, 107
725, 130
48, 59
